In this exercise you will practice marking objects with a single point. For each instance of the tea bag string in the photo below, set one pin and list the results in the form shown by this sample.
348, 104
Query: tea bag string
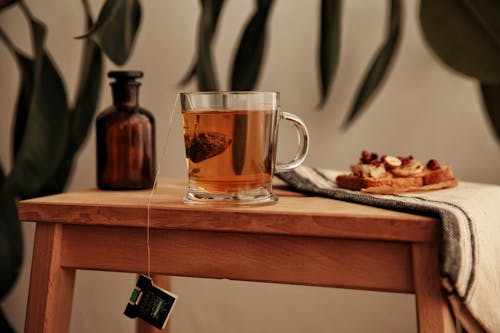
155, 183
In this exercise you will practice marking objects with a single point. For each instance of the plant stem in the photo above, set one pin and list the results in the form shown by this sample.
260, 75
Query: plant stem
86, 8
8, 42
25, 9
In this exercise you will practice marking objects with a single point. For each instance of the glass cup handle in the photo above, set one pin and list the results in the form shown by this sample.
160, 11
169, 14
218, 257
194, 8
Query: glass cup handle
303, 135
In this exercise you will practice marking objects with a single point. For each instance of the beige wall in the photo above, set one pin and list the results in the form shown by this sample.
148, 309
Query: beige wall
424, 110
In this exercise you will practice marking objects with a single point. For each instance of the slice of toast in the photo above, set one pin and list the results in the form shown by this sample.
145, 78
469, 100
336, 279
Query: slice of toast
396, 175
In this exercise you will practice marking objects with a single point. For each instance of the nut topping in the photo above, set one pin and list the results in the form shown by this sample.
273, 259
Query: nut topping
377, 172
412, 167
392, 162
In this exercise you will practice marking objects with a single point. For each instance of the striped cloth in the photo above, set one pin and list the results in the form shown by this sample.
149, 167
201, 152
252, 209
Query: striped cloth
470, 243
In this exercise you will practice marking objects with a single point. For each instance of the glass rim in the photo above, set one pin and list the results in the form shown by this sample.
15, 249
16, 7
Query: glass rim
230, 92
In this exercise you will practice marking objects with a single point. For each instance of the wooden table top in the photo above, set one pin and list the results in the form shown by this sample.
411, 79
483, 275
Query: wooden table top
293, 214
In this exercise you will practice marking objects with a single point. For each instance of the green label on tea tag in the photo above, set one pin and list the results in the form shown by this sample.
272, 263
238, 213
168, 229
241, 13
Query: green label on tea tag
150, 303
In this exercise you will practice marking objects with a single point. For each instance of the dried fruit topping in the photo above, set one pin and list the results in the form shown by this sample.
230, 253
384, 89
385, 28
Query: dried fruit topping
392, 162
405, 160
367, 157
375, 163
433, 164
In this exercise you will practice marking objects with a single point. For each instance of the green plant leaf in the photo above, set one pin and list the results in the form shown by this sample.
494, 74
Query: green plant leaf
329, 49
491, 100
6, 4
486, 13
189, 75
44, 140
465, 35
82, 112
4, 323
11, 240
217, 7
116, 29
205, 71
89, 87
380, 64
26, 67
59, 177
108, 11
248, 58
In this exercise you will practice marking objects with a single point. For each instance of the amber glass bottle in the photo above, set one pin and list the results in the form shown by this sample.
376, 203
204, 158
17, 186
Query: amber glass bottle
125, 138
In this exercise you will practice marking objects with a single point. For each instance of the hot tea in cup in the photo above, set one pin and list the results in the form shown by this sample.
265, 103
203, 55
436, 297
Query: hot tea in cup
230, 140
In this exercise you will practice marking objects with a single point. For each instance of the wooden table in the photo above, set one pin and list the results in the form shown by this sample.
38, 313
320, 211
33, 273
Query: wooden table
299, 240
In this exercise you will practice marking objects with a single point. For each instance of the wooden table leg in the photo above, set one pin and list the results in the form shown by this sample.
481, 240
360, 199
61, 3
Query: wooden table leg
433, 312
162, 281
51, 286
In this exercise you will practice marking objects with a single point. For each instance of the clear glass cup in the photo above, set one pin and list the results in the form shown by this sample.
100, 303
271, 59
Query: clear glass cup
231, 139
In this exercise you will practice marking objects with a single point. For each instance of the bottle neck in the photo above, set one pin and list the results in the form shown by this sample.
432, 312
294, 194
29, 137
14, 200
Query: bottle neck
125, 96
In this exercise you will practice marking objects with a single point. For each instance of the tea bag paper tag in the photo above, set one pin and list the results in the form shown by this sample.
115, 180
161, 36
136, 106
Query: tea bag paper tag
150, 303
